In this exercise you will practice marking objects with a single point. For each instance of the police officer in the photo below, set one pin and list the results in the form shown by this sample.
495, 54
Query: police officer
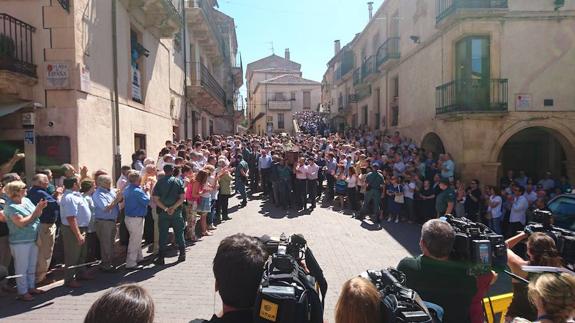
373, 193
169, 196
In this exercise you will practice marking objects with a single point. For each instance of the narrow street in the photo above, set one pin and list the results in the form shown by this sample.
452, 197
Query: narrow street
182, 292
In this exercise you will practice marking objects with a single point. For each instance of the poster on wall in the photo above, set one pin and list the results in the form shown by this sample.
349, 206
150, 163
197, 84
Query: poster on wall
57, 75
85, 82
136, 85
523, 101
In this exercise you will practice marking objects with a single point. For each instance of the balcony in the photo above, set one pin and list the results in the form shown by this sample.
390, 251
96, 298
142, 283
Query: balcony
472, 96
280, 105
162, 16
357, 76
238, 73
388, 50
205, 91
368, 67
16, 46
446, 8
202, 25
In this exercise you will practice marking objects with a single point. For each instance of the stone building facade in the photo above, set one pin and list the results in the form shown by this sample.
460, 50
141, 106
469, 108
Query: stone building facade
67, 95
487, 81
276, 91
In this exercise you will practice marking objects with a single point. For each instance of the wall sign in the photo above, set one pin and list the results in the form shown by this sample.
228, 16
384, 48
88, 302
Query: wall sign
57, 76
523, 101
85, 81
136, 85
29, 137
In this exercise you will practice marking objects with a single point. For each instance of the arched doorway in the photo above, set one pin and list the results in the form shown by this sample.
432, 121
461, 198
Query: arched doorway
432, 142
535, 150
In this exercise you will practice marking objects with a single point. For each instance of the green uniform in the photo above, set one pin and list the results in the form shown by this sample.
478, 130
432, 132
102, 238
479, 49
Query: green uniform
169, 189
445, 283
443, 199
374, 181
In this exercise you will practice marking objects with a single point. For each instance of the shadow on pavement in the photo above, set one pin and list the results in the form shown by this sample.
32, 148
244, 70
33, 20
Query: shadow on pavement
103, 281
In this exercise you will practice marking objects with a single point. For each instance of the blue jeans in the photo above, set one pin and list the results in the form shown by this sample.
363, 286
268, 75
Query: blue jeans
496, 224
212, 214
25, 256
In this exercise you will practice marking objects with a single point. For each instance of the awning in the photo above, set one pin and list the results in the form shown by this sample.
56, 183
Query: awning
7, 108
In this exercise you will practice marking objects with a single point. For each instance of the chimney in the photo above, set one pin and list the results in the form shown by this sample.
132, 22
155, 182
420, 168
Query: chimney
337, 46
287, 54
370, 8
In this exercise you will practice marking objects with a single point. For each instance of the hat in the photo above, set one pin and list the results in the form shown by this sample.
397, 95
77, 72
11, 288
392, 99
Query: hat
444, 180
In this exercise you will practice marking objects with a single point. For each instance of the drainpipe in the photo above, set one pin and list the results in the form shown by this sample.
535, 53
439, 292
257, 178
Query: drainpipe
116, 106
185, 45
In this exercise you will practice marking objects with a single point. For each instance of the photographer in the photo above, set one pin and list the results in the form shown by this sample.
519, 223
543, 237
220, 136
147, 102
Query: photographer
436, 278
238, 268
541, 251
359, 302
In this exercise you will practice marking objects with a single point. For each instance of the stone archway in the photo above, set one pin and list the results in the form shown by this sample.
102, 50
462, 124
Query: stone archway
535, 147
432, 142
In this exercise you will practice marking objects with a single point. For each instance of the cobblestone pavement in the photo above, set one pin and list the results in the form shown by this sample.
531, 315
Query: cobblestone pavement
343, 246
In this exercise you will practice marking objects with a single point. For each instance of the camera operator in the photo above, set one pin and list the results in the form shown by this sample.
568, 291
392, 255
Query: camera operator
437, 279
238, 268
554, 297
541, 251
359, 302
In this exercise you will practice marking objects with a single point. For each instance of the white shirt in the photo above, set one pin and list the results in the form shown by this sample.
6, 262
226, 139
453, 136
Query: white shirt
301, 172
352, 181
495, 211
312, 171
409, 190
518, 209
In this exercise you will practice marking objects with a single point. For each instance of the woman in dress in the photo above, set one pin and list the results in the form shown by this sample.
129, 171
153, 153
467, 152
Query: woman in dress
352, 182
204, 206
427, 202
395, 199
23, 220
340, 184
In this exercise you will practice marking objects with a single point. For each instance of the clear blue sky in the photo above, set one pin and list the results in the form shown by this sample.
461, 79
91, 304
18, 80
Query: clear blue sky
307, 27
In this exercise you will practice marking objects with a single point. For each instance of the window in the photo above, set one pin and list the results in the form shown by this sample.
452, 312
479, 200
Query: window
139, 141
306, 100
292, 96
365, 115
281, 121
137, 54
279, 96
472, 72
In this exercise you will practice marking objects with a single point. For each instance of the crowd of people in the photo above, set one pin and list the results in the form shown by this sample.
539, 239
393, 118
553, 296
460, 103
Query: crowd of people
188, 186
312, 122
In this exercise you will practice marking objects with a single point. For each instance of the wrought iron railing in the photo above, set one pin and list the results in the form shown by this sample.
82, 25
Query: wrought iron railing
207, 81
472, 96
388, 50
16, 52
445, 8
368, 67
